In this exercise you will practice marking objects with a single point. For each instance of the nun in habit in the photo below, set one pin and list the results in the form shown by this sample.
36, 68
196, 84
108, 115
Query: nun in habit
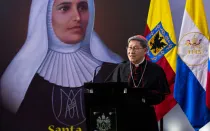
43, 84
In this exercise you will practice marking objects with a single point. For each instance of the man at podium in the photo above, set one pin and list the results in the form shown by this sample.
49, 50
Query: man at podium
141, 73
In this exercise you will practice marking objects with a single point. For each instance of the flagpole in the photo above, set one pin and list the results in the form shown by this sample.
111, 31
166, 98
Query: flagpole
161, 124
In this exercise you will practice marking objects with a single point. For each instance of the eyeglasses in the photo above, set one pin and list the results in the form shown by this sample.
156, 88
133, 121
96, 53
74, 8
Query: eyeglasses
133, 48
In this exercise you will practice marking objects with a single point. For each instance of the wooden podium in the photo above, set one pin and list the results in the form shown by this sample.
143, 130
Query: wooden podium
106, 105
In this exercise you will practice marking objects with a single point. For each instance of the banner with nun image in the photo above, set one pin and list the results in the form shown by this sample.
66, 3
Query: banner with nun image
42, 86
46, 76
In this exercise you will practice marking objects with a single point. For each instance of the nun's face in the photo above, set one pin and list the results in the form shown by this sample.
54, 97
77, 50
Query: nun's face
70, 20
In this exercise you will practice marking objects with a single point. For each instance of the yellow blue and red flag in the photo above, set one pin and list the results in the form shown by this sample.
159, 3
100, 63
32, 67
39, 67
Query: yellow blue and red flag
162, 47
192, 70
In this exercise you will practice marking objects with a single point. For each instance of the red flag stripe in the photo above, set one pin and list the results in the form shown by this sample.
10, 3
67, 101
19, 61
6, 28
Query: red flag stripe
165, 106
169, 102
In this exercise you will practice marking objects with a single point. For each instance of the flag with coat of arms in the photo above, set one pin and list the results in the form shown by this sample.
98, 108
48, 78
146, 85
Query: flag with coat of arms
162, 48
191, 83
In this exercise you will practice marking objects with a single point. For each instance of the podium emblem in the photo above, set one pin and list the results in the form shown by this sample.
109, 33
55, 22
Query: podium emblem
103, 119
103, 123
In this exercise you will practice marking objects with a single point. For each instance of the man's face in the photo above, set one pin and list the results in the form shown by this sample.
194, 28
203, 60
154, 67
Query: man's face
70, 20
135, 51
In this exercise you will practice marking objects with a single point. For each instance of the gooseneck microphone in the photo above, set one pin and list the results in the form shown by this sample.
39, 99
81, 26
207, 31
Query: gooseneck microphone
94, 75
114, 70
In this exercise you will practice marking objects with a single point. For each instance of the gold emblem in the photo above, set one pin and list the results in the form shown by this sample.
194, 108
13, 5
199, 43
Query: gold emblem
193, 49
195, 42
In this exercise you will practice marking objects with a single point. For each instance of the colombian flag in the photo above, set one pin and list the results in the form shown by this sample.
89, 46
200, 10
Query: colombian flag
192, 65
162, 47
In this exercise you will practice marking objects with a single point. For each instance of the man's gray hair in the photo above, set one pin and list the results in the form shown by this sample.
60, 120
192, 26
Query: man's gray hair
143, 41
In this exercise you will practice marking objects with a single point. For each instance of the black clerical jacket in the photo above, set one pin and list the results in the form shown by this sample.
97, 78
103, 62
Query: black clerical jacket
150, 75
147, 75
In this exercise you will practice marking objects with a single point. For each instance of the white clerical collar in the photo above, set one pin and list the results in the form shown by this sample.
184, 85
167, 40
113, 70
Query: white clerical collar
137, 65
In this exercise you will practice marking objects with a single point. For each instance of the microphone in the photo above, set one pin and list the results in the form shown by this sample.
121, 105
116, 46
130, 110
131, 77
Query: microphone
94, 75
93, 80
114, 70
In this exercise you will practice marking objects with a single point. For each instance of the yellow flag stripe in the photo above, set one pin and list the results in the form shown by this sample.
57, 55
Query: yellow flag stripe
159, 11
196, 11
